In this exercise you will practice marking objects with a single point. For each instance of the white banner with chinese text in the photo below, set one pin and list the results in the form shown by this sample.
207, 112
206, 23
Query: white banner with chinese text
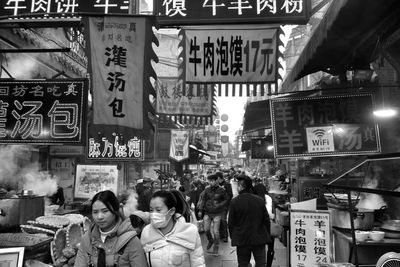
179, 147
226, 54
172, 99
117, 46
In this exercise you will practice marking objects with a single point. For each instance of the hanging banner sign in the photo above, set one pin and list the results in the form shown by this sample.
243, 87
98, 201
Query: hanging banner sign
114, 143
324, 125
51, 7
117, 51
202, 12
194, 101
47, 112
179, 147
220, 54
310, 238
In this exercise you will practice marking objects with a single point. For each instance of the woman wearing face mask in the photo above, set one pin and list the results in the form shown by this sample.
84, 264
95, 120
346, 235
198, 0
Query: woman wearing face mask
111, 241
169, 240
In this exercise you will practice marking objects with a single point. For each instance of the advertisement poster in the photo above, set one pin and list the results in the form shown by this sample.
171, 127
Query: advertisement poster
310, 238
90, 179
220, 54
179, 147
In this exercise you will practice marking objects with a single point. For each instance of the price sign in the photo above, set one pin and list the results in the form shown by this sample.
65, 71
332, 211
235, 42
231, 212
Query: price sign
310, 238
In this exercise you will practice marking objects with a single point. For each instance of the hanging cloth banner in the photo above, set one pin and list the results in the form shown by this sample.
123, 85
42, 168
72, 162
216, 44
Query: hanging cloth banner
225, 145
120, 65
179, 147
196, 101
222, 55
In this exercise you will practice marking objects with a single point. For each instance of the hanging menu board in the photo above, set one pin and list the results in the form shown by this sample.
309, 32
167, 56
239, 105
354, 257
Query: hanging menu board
310, 238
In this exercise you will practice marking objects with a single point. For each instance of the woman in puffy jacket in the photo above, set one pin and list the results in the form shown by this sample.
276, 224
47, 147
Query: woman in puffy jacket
168, 240
111, 241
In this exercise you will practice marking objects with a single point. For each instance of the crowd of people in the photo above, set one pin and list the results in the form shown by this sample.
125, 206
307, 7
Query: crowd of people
164, 230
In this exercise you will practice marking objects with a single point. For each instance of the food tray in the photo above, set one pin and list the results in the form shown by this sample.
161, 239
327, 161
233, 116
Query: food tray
75, 218
53, 220
45, 225
30, 229
29, 241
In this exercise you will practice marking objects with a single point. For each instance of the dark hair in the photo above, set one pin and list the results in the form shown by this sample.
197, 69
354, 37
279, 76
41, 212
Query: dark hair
219, 175
109, 199
136, 221
174, 199
212, 177
245, 182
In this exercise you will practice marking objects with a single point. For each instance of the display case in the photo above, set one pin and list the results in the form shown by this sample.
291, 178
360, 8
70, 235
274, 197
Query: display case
372, 184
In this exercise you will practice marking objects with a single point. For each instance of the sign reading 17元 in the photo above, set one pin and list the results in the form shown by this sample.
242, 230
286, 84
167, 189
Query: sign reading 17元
220, 54
201, 12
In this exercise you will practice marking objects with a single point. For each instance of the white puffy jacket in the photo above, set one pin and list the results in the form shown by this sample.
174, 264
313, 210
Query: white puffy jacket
180, 247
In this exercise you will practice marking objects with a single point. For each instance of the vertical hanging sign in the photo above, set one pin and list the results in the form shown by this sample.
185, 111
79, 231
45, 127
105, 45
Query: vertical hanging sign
179, 147
116, 47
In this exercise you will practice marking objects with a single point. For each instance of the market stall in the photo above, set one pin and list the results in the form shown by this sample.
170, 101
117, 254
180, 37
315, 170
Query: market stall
366, 222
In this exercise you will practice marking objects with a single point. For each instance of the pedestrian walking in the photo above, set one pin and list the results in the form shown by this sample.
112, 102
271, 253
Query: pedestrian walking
144, 191
223, 182
212, 205
111, 241
168, 240
249, 224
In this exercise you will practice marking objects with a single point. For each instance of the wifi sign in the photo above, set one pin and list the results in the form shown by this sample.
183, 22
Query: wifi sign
320, 139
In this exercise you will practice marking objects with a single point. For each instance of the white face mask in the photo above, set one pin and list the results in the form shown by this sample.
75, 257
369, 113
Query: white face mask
160, 220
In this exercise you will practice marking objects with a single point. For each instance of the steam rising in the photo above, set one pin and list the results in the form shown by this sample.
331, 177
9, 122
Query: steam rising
131, 203
19, 171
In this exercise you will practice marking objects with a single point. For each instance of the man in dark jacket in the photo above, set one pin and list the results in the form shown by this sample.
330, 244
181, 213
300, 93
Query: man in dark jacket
249, 224
213, 205
223, 230
143, 189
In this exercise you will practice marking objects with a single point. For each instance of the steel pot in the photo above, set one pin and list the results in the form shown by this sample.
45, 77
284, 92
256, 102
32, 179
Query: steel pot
363, 218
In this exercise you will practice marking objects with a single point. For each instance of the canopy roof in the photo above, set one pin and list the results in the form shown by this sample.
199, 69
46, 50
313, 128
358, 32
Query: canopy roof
349, 37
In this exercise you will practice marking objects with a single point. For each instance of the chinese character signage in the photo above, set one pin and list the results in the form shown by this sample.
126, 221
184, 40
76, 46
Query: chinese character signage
179, 147
310, 238
91, 179
45, 112
202, 12
114, 143
245, 54
324, 125
173, 99
120, 63
51, 7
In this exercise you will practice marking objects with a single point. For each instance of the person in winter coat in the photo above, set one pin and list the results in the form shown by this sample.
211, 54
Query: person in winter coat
110, 241
213, 204
249, 224
168, 240
222, 181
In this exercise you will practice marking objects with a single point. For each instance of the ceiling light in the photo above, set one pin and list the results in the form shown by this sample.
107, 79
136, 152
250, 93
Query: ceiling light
385, 112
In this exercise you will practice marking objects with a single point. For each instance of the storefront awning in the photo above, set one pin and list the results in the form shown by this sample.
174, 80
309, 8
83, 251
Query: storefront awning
348, 37
257, 116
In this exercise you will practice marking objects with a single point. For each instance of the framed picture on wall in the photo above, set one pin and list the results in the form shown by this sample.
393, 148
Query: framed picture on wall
12, 257
91, 179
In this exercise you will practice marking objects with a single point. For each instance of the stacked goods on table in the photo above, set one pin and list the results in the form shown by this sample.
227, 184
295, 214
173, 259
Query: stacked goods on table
67, 231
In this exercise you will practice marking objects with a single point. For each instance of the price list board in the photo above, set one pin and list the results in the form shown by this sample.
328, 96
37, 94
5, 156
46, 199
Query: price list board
310, 238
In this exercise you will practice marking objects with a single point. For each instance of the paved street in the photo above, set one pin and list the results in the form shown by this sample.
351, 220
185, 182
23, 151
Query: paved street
227, 255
